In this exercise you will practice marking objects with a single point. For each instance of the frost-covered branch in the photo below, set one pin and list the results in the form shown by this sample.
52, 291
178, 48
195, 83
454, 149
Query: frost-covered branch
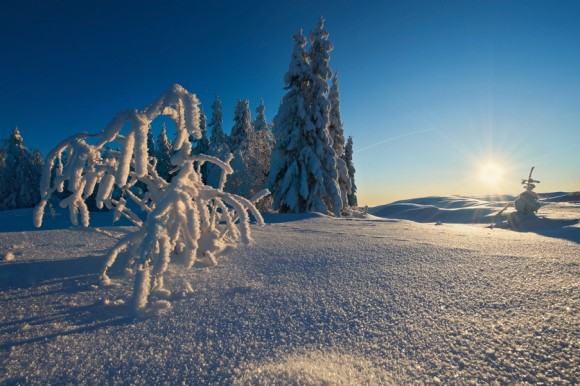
185, 219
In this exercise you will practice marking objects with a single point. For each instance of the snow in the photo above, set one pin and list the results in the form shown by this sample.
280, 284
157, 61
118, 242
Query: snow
314, 300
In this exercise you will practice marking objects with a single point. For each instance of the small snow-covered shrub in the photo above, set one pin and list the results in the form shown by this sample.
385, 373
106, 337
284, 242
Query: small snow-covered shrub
186, 219
527, 202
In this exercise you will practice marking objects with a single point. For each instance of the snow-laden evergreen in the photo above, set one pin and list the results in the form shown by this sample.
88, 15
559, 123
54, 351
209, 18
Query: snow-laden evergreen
216, 123
336, 131
218, 146
202, 144
262, 144
240, 145
242, 128
319, 111
348, 151
335, 127
251, 161
304, 172
186, 219
20, 174
150, 143
163, 154
288, 179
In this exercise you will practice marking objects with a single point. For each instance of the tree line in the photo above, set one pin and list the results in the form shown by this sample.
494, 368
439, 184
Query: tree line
302, 157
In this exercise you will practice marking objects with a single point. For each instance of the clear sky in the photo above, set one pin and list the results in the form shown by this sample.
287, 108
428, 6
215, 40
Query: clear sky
431, 91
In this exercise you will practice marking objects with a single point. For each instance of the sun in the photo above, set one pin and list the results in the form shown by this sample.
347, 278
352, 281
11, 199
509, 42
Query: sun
490, 173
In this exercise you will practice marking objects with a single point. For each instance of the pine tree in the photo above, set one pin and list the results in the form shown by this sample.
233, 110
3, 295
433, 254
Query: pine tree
150, 143
242, 128
335, 127
288, 180
251, 163
216, 123
264, 144
163, 154
202, 144
241, 147
326, 188
218, 146
19, 181
348, 151
336, 131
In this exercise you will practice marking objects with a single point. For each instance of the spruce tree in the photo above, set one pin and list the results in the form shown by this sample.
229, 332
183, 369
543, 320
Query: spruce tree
163, 153
150, 143
252, 160
348, 151
20, 178
325, 188
336, 131
289, 180
241, 148
216, 123
218, 146
242, 128
202, 144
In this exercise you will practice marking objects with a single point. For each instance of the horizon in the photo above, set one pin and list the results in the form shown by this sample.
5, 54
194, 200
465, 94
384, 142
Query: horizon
446, 98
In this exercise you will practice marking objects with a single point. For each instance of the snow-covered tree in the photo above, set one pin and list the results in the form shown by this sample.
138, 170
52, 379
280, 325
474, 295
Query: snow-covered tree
239, 140
150, 143
216, 123
218, 146
321, 154
348, 151
335, 128
336, 131
163, 155
19, 179
303, 175
202, 144
289, 179
251, 161
186, 219
242, 128
262, 144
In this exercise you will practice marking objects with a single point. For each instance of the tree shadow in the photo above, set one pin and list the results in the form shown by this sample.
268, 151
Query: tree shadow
61, 281
555, 228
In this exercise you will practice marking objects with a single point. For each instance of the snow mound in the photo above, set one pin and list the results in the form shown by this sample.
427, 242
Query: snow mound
453, 209
315, 368
558, 217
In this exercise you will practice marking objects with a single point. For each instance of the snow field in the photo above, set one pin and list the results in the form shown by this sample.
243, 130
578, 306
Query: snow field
312, 301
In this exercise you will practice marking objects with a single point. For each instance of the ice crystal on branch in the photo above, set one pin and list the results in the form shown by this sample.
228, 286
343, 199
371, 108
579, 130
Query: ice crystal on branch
185, 219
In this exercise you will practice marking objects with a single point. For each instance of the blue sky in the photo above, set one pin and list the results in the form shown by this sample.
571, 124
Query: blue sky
431, 91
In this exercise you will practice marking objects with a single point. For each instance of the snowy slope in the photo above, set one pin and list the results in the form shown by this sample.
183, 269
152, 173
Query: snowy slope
315, 300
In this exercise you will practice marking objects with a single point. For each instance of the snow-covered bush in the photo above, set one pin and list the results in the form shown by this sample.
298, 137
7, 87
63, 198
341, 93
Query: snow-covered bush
527, 202
185, 219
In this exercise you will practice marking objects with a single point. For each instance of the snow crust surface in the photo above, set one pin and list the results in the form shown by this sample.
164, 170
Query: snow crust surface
315, 300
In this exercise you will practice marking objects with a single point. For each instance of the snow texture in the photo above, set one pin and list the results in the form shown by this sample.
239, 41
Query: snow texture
316, 300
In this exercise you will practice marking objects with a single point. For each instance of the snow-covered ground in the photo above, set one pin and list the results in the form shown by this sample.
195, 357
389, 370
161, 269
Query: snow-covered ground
315, 300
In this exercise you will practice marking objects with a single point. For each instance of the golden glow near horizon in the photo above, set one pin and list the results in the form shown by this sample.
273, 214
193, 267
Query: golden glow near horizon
491, 173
